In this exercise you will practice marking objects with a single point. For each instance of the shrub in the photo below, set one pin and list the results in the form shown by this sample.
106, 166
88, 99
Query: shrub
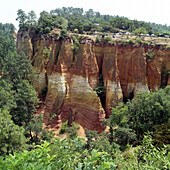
167, 47
124, 136
145, 43
70, 130
130, 42
47, 30
12, 137
151, 156
64, 127
138, 40
80, 37
35, 131
150, 55
75, 47
107, 40
38, 158
97, 39
63, 34
148, 110
100, 90
46, 52
162, 134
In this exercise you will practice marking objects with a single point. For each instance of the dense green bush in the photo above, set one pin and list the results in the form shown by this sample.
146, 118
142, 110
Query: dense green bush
12, 137
35, 132
18, 98
71, 154
70, 130
63, 34
130, 41
97, 39
46, 52
107, 40
64, 127
150, 55
151, 156
138, 40
75, 46
37, 158
147, 112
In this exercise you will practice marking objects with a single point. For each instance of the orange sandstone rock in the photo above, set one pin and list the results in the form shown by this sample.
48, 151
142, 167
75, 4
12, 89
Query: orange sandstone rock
71, 79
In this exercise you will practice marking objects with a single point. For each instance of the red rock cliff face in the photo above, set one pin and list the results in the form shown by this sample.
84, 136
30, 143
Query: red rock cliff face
71, 79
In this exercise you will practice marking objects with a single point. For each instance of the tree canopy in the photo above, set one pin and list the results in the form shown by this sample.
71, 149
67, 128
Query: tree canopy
76, 18
18, 98
147, 112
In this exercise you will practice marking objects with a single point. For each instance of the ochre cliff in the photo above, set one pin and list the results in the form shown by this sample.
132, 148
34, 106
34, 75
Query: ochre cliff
71, 78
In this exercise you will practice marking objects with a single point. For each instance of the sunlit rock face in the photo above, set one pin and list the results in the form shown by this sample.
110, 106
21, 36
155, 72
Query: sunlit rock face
71, 78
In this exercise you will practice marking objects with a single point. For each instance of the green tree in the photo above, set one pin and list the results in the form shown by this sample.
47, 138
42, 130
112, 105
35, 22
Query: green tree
16, 70
48, 22
106, 27
17, 94
26, 100
87, 26
89, 13
32, 18
141, 30
35, 131
121, 23
77, 24
7, 100
6, 45
16, 67
22, 18
119, 128
12, 137
75, 47
148, 110
97, 14
63, 34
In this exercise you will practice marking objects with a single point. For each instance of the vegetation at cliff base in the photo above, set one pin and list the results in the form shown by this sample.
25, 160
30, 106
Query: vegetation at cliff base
136, 134
73, 154
19, 129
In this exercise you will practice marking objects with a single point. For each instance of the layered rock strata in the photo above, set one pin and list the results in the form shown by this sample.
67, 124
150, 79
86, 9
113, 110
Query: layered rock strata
71, 78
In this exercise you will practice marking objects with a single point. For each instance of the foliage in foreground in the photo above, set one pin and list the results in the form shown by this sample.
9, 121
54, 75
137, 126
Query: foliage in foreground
72, 154
18, 100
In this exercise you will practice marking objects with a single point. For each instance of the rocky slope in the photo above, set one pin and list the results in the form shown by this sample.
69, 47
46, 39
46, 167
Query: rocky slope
122, 69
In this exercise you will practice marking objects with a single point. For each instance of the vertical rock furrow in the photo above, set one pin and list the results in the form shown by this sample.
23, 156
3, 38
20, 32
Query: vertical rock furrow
121, 70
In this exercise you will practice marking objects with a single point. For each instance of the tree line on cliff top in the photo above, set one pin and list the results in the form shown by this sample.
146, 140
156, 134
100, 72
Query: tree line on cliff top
24, 144
71, 19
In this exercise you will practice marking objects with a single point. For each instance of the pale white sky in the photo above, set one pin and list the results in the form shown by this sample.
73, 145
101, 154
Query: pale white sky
157, 11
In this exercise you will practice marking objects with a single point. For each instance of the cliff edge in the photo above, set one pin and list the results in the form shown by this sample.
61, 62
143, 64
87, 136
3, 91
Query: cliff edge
83, 84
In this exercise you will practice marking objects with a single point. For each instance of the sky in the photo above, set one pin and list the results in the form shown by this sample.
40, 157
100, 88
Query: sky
157, 11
